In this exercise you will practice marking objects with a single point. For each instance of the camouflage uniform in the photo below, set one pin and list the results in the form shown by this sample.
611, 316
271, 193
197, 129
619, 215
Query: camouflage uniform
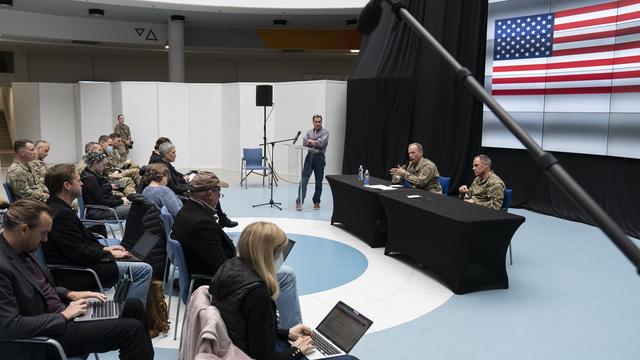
488, 192
132, 174
24, 184
39, 170
125, 133
422, 176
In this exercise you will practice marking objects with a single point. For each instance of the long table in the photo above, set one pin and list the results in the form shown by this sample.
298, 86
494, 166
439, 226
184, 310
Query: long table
464, 244
358, 208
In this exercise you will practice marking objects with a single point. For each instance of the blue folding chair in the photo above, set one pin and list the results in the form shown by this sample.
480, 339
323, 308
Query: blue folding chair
185, 280
42, 259
82, 208
52, 342
444, 183
506, 201
253, 161
7, 189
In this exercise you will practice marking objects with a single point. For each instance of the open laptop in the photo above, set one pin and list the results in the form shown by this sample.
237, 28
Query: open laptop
339, 332
287, 250
110, 309
142, 247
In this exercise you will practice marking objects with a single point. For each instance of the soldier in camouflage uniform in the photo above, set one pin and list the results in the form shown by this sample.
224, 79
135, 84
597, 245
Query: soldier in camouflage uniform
129, 178
123, 130
21, 179
487, 189
419, 172
37, 165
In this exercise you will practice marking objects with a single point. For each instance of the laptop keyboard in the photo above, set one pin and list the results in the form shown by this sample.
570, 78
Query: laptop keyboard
324, 346
108, 308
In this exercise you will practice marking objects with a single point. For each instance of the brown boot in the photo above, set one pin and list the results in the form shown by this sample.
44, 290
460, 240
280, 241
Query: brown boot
316, 206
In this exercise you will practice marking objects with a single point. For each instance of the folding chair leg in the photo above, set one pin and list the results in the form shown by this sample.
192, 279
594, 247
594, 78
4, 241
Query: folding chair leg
175, 328
171, 277
510, 256
164, 275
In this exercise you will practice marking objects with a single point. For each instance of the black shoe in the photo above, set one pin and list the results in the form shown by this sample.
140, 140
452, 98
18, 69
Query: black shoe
226, 222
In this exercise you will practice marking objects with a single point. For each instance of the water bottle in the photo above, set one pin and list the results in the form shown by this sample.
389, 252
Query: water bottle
366, 177
360, 173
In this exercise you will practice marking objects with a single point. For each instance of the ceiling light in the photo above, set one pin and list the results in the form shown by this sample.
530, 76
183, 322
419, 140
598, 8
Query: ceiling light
279, 22
6, 3
354, 51
96, 12
166, 46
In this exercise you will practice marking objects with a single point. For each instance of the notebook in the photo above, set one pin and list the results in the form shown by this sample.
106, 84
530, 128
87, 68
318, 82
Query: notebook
110, 309
339, 332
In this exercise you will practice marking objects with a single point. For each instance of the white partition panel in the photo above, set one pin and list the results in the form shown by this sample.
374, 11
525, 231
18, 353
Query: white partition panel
288, 121
230, 128
96, 116
57, 121
336, 119
205, 120
140, 108
173, 119
26, 110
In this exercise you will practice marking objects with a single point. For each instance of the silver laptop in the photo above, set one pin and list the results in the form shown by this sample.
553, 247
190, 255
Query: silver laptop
110, 309
339, 332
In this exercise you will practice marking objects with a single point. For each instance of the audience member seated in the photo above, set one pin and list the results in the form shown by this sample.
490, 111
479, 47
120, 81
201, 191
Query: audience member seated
114, 169
420, 172
70, 243
244, 290
155, 154
487, 189
97, 190
37, 165
156, 177
123, 159
33, 305
21, 179
179, 182
206, 246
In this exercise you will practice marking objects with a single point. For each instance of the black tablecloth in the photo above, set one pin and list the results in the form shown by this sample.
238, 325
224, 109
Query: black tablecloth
359, 209
464, 244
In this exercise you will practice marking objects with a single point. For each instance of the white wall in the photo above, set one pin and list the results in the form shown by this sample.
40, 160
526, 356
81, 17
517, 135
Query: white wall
209, 123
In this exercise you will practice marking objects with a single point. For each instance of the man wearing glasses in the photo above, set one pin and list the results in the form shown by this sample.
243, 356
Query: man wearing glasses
316, 139
206, 246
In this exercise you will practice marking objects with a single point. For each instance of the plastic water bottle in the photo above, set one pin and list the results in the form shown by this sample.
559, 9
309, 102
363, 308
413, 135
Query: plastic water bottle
366, 177
360, 173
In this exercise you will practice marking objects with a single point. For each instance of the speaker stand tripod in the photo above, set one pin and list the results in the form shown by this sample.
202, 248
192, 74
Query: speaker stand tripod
272, 173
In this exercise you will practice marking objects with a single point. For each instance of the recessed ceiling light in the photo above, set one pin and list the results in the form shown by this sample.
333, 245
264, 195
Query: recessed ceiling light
96, 12
279, 22
354, 51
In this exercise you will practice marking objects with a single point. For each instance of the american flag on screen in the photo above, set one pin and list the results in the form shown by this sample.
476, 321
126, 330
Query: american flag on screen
586, 50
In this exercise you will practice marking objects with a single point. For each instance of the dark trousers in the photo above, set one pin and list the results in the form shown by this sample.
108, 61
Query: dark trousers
313, 162
129, 334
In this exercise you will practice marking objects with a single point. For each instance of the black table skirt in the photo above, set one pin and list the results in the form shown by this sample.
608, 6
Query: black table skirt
464, 244
359, 209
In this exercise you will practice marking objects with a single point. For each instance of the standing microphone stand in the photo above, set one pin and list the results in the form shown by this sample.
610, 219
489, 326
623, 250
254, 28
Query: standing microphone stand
272, 174
546, 161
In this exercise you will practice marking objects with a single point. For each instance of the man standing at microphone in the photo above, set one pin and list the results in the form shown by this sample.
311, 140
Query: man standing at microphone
316, 139
418, 172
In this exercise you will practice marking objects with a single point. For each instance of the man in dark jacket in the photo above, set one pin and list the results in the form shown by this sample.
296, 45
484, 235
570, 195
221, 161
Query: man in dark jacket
70, 243
32, 305
179, 182
97, 189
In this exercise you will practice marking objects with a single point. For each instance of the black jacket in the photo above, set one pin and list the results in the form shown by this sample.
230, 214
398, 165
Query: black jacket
96, 190
70, 243
145, 216
176, 179
206, 246
24, 312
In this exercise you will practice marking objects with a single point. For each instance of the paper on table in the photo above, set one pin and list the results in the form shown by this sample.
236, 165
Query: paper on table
380, 187
397, 185
414, 196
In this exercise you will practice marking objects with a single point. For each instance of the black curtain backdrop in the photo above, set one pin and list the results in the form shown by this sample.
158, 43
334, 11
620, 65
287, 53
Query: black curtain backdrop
400, 92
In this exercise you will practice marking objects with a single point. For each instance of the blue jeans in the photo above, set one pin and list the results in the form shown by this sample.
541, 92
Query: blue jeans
314, 162
287, 301
141, 272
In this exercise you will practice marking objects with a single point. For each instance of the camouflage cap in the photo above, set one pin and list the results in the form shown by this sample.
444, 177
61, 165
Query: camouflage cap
204, 181
93, 157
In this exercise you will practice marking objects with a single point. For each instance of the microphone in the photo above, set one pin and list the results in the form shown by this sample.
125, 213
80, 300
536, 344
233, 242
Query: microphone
370, 17
297, 136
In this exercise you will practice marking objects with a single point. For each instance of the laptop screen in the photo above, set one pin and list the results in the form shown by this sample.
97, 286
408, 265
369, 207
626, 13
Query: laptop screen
344, 326
287, 250
122, 287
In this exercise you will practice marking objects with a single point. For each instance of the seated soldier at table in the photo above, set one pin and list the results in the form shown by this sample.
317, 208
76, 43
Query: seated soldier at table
487, 189
420, 172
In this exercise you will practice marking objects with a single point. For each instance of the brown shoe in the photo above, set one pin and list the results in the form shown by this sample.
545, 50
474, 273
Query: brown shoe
316, 206
298, 206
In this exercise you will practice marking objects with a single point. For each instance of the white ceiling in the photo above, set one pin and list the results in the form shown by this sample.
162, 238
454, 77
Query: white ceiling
202, 15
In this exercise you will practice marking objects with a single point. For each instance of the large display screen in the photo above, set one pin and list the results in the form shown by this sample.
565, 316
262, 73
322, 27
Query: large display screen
568, 71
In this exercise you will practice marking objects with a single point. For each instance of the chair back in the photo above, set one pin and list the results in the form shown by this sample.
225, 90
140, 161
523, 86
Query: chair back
40, 257
444, 183
506, 201
7, 189
81, 210
167, 222
177, 258
252, 157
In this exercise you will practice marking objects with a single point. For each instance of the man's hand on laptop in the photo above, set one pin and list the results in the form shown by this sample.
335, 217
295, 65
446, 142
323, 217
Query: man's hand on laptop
77, 295
75, 309
299, 330
305, 344
117, 251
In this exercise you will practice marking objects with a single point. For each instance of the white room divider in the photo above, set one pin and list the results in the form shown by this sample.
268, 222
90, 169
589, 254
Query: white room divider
209, 123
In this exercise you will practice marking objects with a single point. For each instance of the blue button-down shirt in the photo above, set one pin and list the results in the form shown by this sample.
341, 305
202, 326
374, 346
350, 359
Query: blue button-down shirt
322, 138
